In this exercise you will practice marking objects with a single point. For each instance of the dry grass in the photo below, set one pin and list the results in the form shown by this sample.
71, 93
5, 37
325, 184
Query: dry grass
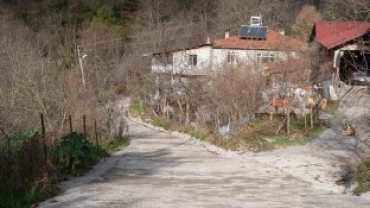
363, 178
261, 135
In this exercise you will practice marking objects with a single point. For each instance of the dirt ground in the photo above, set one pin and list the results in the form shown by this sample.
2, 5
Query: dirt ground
327, 158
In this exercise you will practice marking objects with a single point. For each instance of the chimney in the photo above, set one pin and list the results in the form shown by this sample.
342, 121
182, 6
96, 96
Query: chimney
227, 34
208, 40
282, 32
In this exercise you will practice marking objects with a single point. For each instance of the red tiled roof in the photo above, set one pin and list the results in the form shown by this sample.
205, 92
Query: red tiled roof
273, 41
332, 34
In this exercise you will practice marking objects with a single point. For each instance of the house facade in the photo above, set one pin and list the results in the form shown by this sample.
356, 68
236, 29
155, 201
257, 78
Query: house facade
255, 53
252, 48
191, 61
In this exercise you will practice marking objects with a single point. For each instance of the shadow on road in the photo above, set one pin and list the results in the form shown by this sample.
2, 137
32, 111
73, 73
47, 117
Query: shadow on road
149, 152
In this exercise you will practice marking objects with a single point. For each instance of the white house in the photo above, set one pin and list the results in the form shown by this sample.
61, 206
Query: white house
251, 49
190, 61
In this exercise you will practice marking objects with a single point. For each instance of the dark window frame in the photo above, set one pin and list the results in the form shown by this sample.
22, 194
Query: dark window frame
231, 57
193, 59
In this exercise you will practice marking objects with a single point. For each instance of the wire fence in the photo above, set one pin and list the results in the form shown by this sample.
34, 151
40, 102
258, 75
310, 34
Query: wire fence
25, 162
26, 157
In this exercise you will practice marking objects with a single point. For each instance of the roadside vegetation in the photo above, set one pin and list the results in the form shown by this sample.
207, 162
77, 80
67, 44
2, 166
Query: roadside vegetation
332, 106
260, 135
362, 176
26, 176
118, 143
263, 135
32, 166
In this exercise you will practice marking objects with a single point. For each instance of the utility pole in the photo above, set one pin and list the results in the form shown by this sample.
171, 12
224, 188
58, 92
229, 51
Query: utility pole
80, 57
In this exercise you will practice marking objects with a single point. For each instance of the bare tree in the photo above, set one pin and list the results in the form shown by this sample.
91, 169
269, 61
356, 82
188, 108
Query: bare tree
345, 10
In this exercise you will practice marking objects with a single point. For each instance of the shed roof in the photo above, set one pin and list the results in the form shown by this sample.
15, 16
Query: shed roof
332, 34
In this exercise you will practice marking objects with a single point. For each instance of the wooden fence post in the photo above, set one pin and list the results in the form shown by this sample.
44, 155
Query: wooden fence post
84, 123
70, 123
42, 124
127, 132
96, 133
288, 122
311, 117
7, 140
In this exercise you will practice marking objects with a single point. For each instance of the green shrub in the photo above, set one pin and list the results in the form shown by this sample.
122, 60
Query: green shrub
118, 143
282, 140
26, 175
313, 134
198, 134
25, 133
18, 138
106, 14
138, 109
24, 199
18, 155
297, 123
159, 122
76, 155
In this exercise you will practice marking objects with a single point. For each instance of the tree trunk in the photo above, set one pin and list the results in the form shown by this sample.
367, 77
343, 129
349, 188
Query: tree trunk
181, 111
187, 118
167, 111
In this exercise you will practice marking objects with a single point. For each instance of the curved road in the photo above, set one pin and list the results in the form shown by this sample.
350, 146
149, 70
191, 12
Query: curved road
159, 169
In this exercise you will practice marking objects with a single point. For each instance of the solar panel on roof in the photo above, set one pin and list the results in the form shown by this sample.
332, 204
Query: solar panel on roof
262, 32
253, 32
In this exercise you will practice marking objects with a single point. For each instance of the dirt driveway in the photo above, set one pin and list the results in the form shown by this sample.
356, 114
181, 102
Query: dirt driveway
161, 169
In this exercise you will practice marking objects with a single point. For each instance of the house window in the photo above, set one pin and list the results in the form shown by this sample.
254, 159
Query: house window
231, 57
192, 60
265, 57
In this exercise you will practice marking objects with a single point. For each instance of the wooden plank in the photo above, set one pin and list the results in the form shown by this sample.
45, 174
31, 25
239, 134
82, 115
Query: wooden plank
281, 126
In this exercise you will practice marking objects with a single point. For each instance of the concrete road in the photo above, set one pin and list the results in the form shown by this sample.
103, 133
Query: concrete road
159, 169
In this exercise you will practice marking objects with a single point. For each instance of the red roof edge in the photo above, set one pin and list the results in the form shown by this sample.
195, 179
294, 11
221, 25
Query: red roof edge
332, 34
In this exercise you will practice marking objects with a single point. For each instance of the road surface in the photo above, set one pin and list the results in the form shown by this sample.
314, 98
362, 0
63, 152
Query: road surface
162, 169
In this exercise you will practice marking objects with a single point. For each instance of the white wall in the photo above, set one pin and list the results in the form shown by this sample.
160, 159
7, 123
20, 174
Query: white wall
215, 59
180, 63
219, 60
245, 58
